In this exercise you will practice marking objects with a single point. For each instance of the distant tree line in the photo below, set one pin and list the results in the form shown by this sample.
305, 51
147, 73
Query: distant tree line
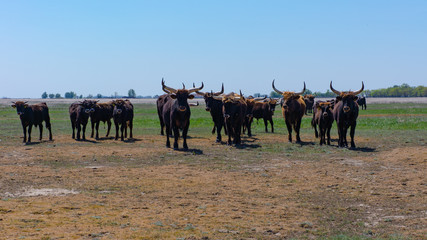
403, 90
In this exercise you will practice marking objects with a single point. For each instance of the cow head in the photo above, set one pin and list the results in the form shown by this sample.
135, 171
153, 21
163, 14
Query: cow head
324, 107
288, 97
88, 106
181, 95
348, 98
229, 103
208, 96
119, 106
272, 102
250, 102
20, 107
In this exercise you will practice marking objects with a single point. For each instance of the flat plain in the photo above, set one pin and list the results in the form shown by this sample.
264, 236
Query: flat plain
267, 188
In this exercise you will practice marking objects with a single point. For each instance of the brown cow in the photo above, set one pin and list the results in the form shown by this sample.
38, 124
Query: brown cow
323, 117
33, 115
79, 115
346, 112
103, 113
249, 117
309, 103
215, 108
293, 109
123, 117
176, 113
234, 110
265, 110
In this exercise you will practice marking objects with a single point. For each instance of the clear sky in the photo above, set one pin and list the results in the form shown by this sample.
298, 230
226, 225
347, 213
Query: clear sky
92, 47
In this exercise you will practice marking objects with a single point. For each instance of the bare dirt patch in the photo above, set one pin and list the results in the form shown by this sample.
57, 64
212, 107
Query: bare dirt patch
268, 189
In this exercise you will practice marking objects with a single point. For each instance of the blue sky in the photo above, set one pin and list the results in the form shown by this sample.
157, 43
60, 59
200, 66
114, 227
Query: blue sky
92, 47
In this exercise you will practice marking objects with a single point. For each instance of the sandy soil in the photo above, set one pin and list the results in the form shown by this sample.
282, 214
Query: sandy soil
141, 190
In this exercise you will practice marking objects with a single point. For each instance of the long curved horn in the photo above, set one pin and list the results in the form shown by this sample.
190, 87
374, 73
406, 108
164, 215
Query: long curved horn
333, 90
303, 90
191, 90
241, 96
358, 92
167, 89
198, 92
221, 92
275, 89
183, 86
259, 98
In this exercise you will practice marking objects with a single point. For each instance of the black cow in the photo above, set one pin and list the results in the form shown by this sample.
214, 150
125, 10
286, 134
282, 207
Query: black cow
346, 112
123, 117
309, 103
103, 113
234, 110
323, 117
215, 108
79, 115
33, 115
293, 109
176, 113
265, 110
361, 101
249, 117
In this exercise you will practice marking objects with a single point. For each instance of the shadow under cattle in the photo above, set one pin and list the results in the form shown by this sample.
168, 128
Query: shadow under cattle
87, 140
105, 138
194, 151
247, 146
32, 143
306, 143
363, 149
132, 140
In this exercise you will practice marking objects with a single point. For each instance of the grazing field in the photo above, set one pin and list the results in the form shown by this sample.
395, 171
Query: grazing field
266, 188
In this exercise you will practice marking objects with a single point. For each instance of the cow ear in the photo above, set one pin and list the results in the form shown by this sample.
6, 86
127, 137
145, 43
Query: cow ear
190, 96
338, 98
13, 105
173, 96
26, 105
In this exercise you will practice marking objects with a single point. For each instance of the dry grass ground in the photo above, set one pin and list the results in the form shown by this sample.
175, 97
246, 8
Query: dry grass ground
266, 189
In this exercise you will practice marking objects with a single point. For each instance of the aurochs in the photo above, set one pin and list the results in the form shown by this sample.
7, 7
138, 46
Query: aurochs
346, 112
33, 115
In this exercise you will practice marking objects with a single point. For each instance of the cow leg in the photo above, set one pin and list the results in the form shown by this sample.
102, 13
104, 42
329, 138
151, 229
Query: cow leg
272, 125
125, 124
184, 136
41, 131
49, 127
352, 130
265, 125
218, 133
316, 134
297, 128
73, 126
321, 135
79, 128
249, 127
117, 130
122, 129
344, 137
29, 132
213, 129
24, 128
84, 131
168, 133
329, 135
175, 136
230, 133
97, 130
108, 128
130, 129
92, 123
289, 126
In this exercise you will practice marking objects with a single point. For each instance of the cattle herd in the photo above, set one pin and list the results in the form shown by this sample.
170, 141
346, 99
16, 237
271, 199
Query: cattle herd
232, 112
